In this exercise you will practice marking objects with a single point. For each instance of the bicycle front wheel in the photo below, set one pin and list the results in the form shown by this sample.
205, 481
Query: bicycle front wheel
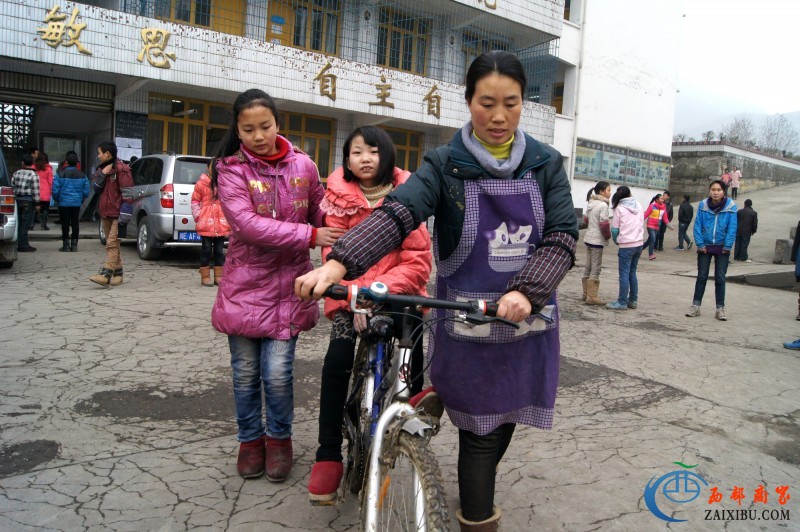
410, 490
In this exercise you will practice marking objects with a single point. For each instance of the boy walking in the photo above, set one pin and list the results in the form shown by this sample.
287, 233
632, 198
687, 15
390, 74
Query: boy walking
113, 178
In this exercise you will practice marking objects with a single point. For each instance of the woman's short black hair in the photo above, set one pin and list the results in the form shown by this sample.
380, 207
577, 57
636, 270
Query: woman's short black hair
721, 185
377, 138
496, 61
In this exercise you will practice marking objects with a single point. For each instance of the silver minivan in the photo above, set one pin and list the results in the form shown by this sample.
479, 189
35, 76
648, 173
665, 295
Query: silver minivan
162, 203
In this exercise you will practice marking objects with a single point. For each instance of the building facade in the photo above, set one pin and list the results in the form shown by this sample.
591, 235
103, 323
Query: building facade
619, 65
161, 75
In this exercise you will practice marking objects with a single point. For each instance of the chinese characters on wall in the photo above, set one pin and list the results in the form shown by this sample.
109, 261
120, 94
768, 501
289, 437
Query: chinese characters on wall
57, 32
60, 32
155, 44
326, 81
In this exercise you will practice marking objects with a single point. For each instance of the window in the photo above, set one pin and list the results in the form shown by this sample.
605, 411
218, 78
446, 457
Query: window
314, 135
147, 172
187, 171
308, 24
407, 144
558, 97
194, 12
224, 16
402, 41
177, 125
474, 45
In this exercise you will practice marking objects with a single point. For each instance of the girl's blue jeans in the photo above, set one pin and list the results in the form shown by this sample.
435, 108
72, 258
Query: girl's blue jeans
271, 362
628, 282
651, 242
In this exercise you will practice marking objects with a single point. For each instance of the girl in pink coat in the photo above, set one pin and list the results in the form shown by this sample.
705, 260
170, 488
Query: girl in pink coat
270, 196
45, 172
210, 224
354, 191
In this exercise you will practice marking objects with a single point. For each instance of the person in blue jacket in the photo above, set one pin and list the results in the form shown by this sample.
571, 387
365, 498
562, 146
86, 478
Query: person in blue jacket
70, 189
714, 235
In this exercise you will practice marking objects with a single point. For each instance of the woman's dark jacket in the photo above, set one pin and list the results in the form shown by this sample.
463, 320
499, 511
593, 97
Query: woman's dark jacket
444, 176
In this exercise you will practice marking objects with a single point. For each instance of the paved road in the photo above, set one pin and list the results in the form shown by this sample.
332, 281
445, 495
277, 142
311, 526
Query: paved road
116, 409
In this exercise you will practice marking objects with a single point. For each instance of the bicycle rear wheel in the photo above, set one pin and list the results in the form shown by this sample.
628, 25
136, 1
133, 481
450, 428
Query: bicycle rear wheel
410, 491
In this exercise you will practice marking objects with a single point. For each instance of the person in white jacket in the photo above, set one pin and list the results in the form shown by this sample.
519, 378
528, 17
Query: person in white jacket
598, 233
626, 230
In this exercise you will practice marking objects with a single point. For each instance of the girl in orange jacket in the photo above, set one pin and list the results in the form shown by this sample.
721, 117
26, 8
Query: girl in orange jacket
367, 175
210, 224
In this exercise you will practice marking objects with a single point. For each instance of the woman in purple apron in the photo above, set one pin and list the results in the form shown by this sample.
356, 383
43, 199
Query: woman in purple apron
505, 231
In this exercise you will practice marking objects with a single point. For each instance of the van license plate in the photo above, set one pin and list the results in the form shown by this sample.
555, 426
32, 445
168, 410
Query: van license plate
189, 236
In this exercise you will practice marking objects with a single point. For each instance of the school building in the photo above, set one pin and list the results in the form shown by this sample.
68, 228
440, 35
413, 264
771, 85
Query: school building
161, 75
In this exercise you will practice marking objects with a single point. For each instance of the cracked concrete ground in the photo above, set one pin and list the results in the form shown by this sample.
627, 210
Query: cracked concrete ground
116, 409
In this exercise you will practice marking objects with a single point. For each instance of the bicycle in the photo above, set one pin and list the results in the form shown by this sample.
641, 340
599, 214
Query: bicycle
389, 460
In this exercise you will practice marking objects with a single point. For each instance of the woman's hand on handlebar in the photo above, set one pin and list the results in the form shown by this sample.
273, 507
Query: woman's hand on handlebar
514, 306
312, 285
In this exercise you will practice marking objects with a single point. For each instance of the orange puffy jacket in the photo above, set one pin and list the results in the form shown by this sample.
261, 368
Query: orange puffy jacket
207, 213
406, 269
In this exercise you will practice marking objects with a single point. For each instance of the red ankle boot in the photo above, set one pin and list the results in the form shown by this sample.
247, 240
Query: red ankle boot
251, 458
324, 482
279, 458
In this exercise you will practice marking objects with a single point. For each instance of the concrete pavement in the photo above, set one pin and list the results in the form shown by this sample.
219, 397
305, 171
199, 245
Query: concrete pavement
117, 414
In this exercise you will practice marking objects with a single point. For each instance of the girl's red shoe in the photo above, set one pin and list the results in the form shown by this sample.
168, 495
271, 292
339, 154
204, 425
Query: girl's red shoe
251, 458
324, 482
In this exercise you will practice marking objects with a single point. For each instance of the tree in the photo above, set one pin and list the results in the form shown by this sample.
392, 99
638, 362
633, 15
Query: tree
778, 135
680, 137
708, 135
740, 130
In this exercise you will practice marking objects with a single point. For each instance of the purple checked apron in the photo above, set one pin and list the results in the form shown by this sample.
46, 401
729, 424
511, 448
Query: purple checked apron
492, 374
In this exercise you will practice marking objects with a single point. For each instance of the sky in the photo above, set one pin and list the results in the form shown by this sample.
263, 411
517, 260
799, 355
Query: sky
738, 56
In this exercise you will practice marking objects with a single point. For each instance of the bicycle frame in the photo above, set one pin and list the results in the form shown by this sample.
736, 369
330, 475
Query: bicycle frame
387, 407
395, 411
385, 397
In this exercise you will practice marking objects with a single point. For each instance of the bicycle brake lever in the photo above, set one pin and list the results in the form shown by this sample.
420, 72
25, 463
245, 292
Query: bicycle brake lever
480, 319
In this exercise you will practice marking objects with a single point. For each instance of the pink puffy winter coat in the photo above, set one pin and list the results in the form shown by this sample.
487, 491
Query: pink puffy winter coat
406, 269
265, 254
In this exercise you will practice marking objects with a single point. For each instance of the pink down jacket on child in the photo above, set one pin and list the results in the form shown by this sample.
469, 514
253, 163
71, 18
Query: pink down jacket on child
256, 295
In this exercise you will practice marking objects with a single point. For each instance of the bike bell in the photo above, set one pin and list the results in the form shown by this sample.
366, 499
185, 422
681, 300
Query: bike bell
378, 291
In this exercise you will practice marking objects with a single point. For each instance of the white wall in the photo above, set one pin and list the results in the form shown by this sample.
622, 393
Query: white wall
629, 72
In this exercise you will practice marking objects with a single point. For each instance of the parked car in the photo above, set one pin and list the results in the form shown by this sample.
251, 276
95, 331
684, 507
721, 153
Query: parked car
8, 218
162, 203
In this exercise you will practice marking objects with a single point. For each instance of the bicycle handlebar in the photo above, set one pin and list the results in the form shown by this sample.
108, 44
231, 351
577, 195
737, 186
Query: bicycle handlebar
477, 310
